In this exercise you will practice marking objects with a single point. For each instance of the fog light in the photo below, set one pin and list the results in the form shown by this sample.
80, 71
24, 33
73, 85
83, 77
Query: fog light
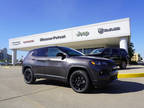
101, 73
115, 67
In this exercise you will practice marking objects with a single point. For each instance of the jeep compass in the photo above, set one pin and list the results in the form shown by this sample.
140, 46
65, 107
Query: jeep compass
71, 66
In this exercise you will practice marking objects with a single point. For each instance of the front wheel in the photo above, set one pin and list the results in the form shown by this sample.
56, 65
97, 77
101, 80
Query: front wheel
79, 81
29, 76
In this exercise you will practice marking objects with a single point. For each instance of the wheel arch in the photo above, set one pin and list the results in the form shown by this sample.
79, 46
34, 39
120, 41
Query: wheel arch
25, 67
74, 68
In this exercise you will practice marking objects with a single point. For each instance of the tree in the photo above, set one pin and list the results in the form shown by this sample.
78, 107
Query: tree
131, 51
140, 58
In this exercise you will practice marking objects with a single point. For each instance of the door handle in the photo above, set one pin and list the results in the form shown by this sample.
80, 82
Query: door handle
33, 59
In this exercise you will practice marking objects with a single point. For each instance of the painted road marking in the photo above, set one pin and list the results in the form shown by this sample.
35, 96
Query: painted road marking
130, 75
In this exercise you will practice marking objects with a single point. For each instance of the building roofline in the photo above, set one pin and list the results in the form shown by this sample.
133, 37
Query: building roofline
73, 28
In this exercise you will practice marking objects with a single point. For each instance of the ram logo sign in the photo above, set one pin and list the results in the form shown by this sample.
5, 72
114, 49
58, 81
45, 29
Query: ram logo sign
102, 30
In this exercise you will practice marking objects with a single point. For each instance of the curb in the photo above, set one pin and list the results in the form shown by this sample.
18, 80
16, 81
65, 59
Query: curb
130, 75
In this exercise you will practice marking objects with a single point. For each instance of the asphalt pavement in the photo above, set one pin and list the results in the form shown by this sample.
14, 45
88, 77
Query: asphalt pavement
123, 93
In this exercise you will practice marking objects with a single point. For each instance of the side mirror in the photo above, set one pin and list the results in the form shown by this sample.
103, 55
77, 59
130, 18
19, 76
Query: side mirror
61, 55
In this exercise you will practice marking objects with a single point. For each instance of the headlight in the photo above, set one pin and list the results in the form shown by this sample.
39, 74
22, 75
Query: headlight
96, 62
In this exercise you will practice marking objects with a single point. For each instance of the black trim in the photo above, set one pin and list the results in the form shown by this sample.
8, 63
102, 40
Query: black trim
50, 77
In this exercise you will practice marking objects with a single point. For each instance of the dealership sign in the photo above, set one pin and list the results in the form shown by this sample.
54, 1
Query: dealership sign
16, 43
53, 38
102, 30
28, 41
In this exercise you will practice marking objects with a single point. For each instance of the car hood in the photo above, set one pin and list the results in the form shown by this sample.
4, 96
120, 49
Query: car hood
91, 58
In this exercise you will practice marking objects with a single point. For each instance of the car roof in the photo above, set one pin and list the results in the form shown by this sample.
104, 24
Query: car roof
46, 47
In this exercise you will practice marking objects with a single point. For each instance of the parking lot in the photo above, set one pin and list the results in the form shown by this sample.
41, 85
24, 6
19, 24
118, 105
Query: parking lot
123, 93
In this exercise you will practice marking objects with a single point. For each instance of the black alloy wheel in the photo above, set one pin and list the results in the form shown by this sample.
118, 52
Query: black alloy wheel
29, 76
79, 81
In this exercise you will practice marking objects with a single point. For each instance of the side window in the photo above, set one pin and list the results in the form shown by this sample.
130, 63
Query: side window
34, 53
107, 52
52, 52
115, 51
42, 52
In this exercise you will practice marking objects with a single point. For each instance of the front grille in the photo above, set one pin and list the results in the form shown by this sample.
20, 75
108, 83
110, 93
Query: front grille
108, 67
104, 73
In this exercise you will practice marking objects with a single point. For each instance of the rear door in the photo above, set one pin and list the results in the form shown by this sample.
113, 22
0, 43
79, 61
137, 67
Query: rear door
39, 58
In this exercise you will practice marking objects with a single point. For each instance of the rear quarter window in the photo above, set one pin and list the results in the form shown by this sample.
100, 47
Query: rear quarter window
42, 52
28, 55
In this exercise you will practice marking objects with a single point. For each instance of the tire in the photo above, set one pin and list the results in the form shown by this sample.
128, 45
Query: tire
29, 76
79, 81
123, 65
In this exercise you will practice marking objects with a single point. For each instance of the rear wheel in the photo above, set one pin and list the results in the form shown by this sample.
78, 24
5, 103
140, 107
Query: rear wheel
79, 81
123, 65
29, 76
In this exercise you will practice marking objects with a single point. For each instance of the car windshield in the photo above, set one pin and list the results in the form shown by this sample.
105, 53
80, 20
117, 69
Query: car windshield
71, 52
97, 51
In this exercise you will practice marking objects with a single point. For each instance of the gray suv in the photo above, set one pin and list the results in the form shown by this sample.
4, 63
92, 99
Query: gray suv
71, 66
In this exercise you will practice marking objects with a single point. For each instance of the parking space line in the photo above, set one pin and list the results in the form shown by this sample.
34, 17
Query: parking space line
37, 104
28, 94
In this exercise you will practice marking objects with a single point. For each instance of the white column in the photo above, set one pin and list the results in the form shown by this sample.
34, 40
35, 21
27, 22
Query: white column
14, 56
124, 43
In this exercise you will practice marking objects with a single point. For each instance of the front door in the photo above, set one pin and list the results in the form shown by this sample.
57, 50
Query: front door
55, 65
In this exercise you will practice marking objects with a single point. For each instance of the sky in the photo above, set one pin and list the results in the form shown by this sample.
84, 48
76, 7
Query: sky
25, 17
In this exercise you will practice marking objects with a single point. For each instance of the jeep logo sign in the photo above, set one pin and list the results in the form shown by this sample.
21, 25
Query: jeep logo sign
101, 30
86, 33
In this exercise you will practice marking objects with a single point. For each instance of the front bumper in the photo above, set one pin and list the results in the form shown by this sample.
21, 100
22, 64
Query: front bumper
104, 75
105, 80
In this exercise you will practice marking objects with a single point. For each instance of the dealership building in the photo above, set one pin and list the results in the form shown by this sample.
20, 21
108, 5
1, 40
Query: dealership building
85, 38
